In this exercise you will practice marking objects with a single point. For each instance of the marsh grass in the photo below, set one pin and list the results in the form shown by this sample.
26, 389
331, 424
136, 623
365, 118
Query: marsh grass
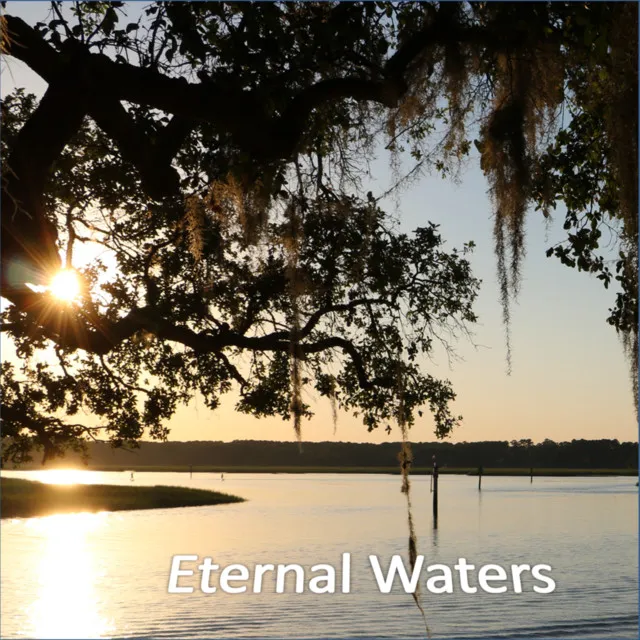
25, 498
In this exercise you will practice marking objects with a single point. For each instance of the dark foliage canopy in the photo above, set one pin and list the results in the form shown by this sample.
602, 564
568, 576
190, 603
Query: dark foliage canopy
215, 153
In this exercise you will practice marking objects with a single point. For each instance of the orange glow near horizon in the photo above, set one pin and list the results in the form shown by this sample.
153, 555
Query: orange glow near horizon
65, 476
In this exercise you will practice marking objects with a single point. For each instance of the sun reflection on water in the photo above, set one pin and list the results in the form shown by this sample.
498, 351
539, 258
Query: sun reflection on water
65, 476
66, 604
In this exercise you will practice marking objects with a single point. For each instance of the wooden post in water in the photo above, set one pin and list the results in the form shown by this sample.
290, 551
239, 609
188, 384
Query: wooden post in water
531, 480
435, 492
480, 478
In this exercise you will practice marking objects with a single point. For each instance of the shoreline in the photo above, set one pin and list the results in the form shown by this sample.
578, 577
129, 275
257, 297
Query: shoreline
30, 498
392, 470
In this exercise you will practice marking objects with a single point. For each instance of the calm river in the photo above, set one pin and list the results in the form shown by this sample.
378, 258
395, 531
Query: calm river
106, 574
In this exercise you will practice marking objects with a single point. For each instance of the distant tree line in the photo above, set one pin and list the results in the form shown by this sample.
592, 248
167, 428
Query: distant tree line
577, 454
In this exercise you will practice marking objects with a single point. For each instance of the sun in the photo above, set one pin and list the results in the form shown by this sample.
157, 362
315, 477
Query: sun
65, 285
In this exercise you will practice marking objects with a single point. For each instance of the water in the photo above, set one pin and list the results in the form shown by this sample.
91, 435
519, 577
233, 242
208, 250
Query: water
106, 575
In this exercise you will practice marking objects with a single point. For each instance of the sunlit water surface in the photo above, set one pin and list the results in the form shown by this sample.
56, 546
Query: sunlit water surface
106, 574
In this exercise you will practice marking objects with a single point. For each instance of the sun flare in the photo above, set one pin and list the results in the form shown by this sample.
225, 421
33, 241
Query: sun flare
65, 285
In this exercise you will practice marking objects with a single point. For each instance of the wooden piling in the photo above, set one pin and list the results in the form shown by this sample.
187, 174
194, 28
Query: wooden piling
480, 470
531, 480
435, 493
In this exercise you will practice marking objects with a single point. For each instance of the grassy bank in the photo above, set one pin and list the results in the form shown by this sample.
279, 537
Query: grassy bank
24, 498
496, 471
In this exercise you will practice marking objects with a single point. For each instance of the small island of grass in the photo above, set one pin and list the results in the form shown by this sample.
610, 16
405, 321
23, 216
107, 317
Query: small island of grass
26, 499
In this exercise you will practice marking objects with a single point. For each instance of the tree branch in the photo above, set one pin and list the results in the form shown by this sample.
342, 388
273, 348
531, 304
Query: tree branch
232, 110
159, 178
28, 237
338, 308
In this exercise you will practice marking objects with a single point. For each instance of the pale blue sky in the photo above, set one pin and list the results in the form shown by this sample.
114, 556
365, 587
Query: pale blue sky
569, 380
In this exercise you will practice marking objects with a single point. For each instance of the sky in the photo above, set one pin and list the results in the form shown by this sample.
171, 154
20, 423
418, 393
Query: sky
569, 376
